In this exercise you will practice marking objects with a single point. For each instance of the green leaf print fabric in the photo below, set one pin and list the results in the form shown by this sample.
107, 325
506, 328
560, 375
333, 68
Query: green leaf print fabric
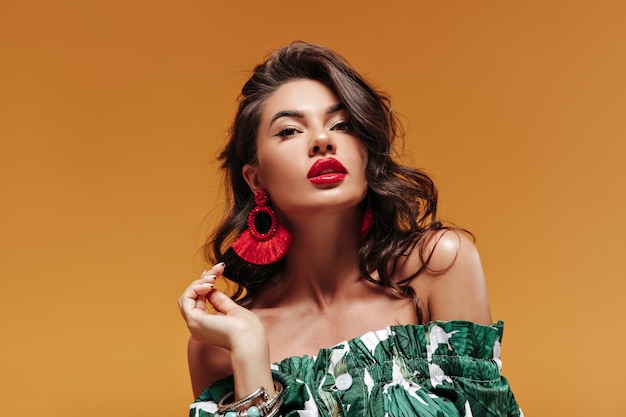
436, 369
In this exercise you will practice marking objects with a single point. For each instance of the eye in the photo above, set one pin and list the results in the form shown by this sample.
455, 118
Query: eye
288, 131
341, 126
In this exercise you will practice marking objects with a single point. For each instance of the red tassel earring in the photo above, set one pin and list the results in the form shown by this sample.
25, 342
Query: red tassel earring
262, 248
368, 220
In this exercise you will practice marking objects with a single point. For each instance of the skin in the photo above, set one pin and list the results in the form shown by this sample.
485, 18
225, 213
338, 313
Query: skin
321, 299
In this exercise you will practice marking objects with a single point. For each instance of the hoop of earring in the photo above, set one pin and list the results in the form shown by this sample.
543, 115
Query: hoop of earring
262, 248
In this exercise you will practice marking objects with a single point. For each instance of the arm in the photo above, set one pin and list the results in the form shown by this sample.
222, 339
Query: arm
452, 287
207, 364
232, 335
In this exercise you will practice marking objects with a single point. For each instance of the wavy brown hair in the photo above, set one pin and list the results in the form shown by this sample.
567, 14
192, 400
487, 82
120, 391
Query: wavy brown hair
403, 199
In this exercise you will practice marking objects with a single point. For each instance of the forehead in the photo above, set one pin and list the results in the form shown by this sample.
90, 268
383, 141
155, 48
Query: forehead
302, 95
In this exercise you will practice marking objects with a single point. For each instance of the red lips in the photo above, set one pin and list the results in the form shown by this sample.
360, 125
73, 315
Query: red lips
326, 171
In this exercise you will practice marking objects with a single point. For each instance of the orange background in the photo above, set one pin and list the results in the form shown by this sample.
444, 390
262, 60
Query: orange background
111, 115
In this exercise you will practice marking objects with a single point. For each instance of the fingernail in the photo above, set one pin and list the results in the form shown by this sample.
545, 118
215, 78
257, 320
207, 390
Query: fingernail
222, 264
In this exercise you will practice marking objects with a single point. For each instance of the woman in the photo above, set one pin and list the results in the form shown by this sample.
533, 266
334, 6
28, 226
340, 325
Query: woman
352, 297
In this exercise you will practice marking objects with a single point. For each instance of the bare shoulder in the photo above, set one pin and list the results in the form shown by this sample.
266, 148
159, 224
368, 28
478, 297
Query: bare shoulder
452, 285
207, 364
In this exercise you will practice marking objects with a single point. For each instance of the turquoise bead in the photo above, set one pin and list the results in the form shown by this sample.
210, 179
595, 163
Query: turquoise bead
231, 414
254, 411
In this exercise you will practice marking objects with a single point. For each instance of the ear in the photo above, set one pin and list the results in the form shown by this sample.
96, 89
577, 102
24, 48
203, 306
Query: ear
251, 175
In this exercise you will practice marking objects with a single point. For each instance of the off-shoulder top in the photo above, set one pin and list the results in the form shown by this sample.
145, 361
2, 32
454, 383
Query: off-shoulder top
436, 369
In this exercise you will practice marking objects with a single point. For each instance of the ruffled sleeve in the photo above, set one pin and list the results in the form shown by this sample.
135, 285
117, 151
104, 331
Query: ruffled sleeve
206, 404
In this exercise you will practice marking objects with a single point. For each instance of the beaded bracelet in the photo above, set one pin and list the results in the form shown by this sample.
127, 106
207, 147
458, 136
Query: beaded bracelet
268, 408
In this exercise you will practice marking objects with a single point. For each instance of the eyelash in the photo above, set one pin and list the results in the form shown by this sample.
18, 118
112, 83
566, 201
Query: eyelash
290, 131
341, 126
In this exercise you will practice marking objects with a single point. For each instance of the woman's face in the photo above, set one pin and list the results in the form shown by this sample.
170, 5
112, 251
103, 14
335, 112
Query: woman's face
307, 157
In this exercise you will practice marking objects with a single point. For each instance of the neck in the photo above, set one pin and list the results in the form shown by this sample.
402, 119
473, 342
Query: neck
322, 263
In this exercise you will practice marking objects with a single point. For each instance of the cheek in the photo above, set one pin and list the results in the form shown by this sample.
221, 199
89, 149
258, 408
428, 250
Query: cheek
275, 167
361, 151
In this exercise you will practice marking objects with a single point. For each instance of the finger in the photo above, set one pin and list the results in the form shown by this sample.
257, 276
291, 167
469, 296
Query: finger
205, 277
197, 288
222, 302
194, 296
217, 269
201, 300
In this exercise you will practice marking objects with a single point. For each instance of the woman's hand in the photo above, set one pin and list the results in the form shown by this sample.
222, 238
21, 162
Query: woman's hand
231, 326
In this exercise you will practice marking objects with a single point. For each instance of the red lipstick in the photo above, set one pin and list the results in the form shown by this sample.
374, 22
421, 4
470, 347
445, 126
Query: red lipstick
326, 171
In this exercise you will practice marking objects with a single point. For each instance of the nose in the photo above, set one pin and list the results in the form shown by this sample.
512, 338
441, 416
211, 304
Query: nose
321, 144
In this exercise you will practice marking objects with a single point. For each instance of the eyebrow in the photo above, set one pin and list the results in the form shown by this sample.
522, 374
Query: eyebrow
299, 115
